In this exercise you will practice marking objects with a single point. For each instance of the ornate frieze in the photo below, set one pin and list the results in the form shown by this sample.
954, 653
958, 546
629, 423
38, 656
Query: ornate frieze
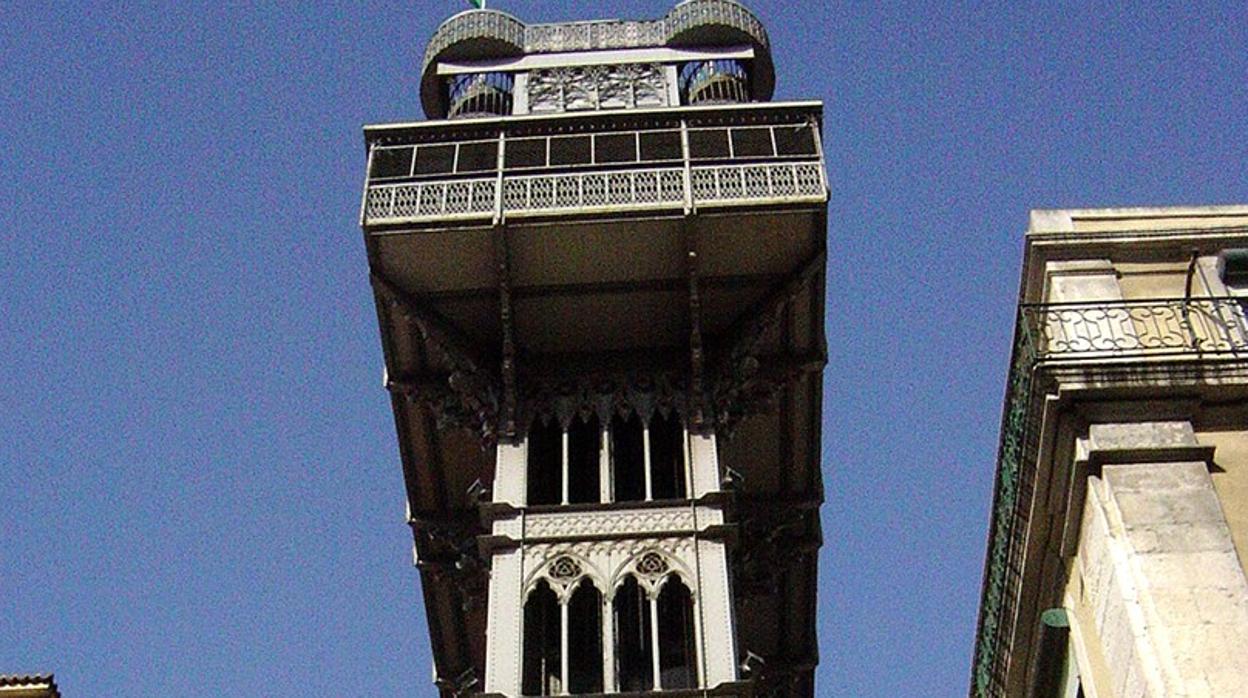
633, 522
587, 88
593, 36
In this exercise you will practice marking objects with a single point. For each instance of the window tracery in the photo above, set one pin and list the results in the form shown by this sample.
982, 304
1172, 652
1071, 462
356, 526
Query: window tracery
651, 632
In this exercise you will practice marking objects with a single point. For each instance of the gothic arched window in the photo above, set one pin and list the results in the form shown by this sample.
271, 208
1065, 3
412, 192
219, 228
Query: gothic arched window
585, 640
667, 457
634, 648
562, 633
655, 645
677, 650
564, 465
639, 461
543, 657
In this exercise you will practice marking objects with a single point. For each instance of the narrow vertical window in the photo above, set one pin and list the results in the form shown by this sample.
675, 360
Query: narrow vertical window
542, 643
628, 459
545, 456
583, 461
634, 650
667, 457
585, 640
677, 650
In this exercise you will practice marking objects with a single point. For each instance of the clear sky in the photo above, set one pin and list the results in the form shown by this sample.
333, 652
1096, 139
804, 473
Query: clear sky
199, 483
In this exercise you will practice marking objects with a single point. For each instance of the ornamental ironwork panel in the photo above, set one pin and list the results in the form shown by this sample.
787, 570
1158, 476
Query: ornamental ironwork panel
430, 200
588, 88
1129, 328
592, 36
636, 189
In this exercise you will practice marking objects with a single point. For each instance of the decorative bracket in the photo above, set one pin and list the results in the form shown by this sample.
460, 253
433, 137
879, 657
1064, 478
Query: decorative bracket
471, 395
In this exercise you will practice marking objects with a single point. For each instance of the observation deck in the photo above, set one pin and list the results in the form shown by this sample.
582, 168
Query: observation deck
500, 41
599, 210
677, 160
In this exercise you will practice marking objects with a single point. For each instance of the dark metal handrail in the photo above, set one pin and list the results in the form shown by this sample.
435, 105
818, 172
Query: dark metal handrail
1135, 328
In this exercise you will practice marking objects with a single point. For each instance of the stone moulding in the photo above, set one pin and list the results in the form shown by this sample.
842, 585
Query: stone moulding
617, 523
490, 34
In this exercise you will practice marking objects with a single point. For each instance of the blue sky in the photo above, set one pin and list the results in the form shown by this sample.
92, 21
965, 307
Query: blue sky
199, 482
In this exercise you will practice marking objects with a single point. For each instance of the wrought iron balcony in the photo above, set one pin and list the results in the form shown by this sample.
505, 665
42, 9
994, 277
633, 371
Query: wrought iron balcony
1135, 329
570, 170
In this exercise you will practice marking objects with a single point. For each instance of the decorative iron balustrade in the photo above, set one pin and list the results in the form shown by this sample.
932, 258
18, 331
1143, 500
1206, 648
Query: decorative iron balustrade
730, 183
597, 191
693, 14
1144, 330
594, 191
461, 198
1135, 328
488, 28
485, 26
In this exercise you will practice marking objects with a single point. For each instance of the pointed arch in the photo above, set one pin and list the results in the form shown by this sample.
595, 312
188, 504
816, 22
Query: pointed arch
584, 447
563, 584
651, 579
628, 458
545, 463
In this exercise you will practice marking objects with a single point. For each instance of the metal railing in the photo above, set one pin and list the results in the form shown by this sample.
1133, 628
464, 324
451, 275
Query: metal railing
461, 198
595, 191
1135, 328
1167, 329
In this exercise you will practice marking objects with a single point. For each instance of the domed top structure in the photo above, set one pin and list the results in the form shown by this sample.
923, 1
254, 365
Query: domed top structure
713, 41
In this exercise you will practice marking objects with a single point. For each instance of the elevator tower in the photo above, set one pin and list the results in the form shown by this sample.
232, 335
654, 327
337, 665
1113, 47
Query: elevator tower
599, 277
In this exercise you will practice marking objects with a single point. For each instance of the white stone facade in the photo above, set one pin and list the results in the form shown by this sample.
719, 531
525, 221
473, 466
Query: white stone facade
653, 542
1158, 571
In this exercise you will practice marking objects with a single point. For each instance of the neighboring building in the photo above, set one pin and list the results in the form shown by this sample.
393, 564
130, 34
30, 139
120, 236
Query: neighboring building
1119, 536
36, 686
599, 274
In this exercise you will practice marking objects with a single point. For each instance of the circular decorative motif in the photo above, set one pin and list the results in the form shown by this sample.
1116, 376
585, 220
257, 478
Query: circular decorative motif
652, 565
565, 569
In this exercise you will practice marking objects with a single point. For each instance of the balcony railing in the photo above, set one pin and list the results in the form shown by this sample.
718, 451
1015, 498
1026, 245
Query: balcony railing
1135, 328
601, 171
595, 192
